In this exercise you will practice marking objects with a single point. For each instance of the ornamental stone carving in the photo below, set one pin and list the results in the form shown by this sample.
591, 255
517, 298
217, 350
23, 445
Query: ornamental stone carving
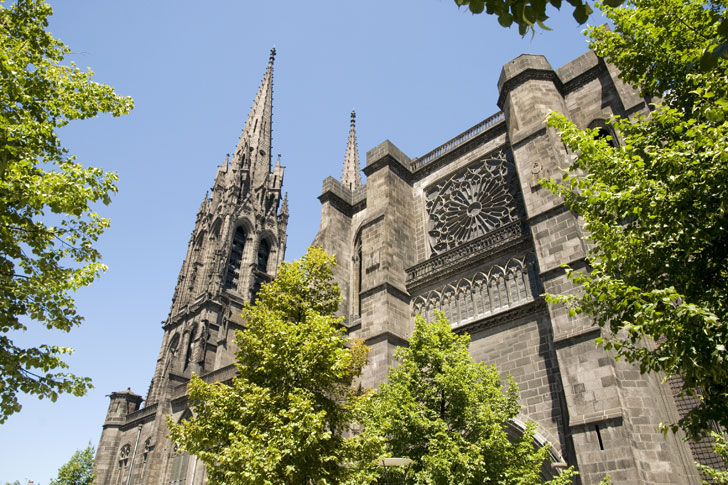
481, 295
471, 203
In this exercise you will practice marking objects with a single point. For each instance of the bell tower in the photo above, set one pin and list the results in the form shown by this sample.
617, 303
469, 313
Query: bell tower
238, 241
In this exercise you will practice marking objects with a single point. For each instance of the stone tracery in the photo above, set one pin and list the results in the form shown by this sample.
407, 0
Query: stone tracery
483, 294
471, 203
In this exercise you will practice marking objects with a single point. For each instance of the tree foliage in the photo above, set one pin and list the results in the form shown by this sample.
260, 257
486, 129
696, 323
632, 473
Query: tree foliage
78, 470
720, 447
285, 417
526, 14
47, 224
450, 415
656, 207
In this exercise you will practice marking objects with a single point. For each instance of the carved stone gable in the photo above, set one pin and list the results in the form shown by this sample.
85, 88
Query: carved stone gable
471, 203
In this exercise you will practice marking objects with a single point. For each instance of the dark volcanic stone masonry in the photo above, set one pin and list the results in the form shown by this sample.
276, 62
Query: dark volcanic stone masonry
465, 229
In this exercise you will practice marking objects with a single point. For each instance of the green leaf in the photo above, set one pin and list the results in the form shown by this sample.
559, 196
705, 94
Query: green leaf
450, 414
506, 20
477, 6
49, 229
582, 12
708, 61
723, 28
289, 409
653, 207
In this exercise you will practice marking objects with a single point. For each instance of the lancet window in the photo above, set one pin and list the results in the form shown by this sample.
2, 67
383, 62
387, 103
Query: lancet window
261, 266
123, 462
359, 266
178, 467
232, 274
605, 132
263, 254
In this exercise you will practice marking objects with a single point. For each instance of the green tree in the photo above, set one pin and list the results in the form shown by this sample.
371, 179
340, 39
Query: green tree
284, 418
78, 470
526, 14
450, 415
721, 449
47, 224
656, 206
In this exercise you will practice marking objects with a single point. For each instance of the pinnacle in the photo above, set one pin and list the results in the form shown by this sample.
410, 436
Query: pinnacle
351, 176
284, 206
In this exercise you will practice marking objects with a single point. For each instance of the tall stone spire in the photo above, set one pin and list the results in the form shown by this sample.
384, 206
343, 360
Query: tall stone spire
254, 146
351, 177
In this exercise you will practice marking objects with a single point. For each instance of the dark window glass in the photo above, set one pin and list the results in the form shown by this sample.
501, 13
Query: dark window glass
236, 257
263, 253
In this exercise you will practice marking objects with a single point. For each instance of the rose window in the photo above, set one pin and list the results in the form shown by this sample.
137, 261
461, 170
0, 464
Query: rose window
470, 203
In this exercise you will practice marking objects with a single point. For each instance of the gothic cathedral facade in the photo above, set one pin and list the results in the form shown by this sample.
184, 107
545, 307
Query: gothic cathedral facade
465, 229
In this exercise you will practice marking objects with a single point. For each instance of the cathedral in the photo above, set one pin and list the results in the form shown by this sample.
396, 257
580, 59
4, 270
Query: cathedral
465, 229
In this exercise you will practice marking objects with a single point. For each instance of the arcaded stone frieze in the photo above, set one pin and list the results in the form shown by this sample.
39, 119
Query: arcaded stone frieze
485, 293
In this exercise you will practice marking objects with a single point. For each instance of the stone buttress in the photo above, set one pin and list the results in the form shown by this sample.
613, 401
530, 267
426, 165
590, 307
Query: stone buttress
468, 230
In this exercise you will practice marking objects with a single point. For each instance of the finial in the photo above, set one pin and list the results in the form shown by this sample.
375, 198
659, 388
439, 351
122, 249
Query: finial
278, 160
353, 117
272, 55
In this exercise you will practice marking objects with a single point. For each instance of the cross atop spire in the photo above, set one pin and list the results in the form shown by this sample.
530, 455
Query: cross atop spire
254, 146
351, 177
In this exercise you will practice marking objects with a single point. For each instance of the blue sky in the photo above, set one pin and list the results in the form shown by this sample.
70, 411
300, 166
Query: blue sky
418, 72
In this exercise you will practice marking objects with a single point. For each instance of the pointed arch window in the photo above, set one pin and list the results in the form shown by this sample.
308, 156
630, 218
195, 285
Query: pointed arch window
605, 132
178, 466
232, 274
263, 254
145, 456
123, 462
359, 266
261, 268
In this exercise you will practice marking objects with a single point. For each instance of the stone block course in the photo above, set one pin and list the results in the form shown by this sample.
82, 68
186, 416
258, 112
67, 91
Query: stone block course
598, 414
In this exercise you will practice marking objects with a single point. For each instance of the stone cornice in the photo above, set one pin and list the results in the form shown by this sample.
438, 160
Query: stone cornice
456, 259
141, 415
394, 166
465, 142
525, 76
344, 200
204, 299
596, 417
550, 75
389, 337
392, 290
576, 336
530, 308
